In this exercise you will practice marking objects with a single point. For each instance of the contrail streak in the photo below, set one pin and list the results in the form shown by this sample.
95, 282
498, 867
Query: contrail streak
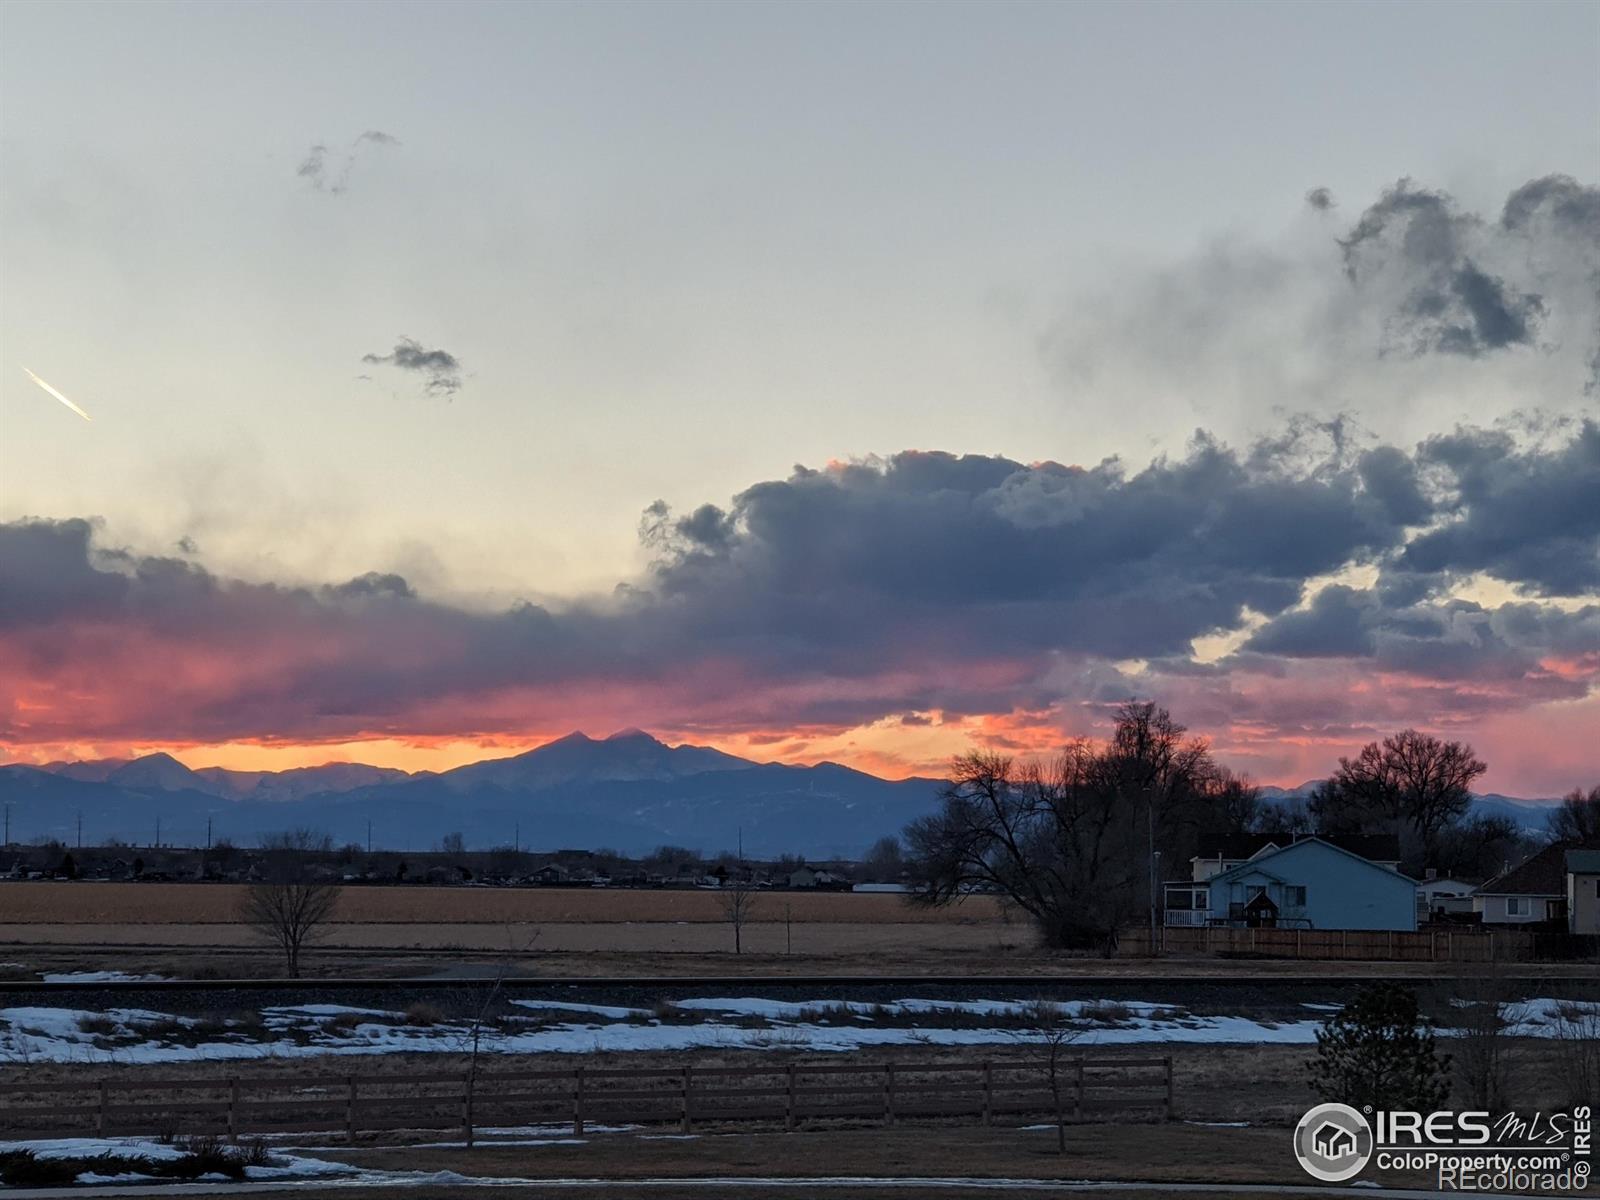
56, 394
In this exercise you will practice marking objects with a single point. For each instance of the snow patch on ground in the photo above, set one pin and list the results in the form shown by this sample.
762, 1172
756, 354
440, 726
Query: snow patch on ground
36, 1034
98, 977
599, 1010
325, 1010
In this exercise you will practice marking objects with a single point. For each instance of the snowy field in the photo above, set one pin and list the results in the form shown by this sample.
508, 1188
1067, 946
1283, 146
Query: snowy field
64, 1035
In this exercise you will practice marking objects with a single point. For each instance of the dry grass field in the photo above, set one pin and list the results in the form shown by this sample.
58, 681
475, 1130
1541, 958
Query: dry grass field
193, 931
145, 927
1145, 1152
209, 904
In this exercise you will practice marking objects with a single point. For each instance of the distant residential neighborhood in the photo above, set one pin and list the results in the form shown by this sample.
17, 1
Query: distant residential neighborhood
667, 867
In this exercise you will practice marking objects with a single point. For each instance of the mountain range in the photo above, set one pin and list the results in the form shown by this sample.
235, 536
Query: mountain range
627, 792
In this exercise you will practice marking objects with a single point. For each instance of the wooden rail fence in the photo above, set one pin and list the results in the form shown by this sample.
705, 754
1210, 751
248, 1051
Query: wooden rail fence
1386, 945
791, 1093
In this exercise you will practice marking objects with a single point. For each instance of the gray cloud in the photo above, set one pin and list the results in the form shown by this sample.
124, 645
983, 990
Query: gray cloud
1321, 199
334, 178
925, 581
441, 369
1418, 240
1423, 313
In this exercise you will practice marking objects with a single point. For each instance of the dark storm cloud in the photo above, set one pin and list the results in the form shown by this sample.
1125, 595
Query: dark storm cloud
48, 568
1446, 640
922, 582
441, 369
1527, 516
992, 555
316, 169
1333, 625
1450, 304
1320, 199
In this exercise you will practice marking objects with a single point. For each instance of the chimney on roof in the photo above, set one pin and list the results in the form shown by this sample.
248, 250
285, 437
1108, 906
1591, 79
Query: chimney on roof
1431, 873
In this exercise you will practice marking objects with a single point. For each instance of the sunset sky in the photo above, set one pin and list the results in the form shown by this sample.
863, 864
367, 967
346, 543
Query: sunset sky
864, 382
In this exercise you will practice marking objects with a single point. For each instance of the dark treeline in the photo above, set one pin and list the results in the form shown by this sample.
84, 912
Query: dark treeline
314, 854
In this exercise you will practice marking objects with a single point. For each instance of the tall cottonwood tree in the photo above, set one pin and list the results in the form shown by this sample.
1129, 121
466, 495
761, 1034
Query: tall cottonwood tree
1413, 783
1068, 842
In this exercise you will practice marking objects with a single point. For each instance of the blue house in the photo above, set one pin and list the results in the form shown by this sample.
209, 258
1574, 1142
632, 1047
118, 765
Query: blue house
1312, 884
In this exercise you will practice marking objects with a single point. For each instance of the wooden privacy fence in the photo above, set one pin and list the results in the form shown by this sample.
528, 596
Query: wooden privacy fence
791, 1093
1393, 945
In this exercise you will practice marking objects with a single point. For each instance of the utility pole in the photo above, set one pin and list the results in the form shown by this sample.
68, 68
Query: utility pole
369, 837
157, 845
80, 829
516, 839
1150, 812
208, 835
8, 823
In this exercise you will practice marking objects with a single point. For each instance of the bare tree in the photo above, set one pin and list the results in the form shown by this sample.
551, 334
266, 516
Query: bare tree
1576, 1028
483, 1013
1069, 843
738, 898
1236, 806
1287, 819
289, 907
1484, 1050
1049, 1031
1578, 818
1414, 781
884, 861
301, 840
1479, 846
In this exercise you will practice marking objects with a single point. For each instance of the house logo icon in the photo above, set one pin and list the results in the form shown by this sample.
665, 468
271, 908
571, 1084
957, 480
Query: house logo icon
1333, 1142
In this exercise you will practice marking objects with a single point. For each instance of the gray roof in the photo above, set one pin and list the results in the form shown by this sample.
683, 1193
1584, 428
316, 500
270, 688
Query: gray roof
1583, 862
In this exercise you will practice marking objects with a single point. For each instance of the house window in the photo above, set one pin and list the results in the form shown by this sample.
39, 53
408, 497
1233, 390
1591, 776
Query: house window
1516, 906
1252, 890
1294, 897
